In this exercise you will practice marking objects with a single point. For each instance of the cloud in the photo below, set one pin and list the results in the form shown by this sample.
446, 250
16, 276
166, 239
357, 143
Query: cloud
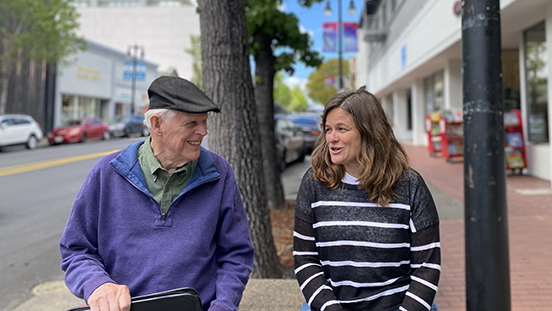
294, 81
282, 7
302, 29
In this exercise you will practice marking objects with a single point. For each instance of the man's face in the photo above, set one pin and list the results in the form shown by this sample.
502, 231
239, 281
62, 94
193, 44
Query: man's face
182, 136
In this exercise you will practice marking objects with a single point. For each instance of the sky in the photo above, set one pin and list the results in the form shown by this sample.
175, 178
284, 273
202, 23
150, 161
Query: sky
310, 20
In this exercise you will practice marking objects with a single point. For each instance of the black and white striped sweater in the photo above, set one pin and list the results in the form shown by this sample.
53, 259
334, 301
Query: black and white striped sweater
355, 255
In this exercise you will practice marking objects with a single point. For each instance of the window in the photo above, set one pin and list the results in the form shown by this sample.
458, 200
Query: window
393, 5
536, 71
21, 121
434, 92
384, 15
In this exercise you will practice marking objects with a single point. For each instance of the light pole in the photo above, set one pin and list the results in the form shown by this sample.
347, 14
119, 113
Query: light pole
133, 53
328, 13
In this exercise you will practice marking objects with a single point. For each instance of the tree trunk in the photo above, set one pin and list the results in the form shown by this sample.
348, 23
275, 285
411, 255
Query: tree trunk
4, 94
234, 132
264, 96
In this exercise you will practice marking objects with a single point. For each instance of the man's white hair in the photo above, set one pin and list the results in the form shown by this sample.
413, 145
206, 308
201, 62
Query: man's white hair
163, 113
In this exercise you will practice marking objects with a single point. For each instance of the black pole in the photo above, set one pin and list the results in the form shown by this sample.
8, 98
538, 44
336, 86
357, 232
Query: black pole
135, 51
50, 95
486, 222
339, 47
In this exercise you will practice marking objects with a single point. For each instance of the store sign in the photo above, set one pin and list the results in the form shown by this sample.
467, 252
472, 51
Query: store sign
403, 56
88, 73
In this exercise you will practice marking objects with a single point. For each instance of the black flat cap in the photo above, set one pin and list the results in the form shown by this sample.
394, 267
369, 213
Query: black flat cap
175, 93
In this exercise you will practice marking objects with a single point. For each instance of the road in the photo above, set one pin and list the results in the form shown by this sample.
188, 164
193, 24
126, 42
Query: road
37, 189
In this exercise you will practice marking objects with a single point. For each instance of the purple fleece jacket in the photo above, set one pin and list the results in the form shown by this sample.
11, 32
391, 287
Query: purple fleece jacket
115, 233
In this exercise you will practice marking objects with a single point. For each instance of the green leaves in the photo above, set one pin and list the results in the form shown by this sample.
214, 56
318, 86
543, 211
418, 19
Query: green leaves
317, 87
41, 29
287, 43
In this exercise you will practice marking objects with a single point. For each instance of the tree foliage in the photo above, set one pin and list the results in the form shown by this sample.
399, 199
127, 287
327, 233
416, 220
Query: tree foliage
291, 99
317, 87
42, 30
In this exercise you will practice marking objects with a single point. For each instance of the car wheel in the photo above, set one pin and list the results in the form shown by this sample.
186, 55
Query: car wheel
145, 131
32, 143
83, 138
106, 135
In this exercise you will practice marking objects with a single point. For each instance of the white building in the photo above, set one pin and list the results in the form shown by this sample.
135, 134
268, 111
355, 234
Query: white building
411, 55
93, 84
161, 27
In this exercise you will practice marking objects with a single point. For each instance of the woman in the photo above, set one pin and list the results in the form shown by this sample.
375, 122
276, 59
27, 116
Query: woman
366, 227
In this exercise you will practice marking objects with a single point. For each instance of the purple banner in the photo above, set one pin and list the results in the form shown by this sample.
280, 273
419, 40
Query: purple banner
350, 37
329, 37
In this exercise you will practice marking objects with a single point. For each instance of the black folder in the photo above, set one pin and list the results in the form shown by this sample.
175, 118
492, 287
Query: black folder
180, 299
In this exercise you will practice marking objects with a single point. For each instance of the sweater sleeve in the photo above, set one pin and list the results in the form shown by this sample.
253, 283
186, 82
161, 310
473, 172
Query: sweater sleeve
425, 250
308, 269
235, 251
83, 266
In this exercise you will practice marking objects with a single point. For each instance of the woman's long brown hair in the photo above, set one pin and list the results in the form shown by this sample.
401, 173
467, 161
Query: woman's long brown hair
381, 157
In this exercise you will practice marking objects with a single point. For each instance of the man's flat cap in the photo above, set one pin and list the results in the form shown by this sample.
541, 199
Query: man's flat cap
175, 93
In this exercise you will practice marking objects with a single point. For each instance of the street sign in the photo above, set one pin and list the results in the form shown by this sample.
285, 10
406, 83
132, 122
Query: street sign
140, 70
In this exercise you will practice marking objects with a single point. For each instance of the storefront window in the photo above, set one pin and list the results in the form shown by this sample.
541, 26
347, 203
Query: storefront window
434, 92
536, 69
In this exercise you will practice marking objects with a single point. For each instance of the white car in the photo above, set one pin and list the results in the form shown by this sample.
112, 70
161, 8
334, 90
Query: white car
19, 129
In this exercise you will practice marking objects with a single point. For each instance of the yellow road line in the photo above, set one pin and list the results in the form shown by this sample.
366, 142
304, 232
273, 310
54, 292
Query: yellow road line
15, 169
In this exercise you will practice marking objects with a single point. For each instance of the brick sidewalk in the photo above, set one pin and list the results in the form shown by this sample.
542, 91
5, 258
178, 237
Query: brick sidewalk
529, 229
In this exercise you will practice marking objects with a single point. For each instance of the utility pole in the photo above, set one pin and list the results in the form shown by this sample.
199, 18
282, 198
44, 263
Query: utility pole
486, 221
328, 13
133, 53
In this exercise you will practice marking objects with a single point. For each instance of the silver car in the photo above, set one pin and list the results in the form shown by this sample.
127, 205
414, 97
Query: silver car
19, 129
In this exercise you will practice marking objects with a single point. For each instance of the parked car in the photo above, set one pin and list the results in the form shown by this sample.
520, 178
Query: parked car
125, 126
310, 125
19, 129
290, 141
79, 130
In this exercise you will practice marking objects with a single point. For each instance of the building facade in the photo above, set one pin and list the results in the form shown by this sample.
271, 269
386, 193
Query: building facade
94, 84
161, 27
410, 57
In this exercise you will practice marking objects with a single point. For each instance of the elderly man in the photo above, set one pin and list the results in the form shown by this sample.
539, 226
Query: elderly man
160, 214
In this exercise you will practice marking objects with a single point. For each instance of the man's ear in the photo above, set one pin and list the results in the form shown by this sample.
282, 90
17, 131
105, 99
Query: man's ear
156, 122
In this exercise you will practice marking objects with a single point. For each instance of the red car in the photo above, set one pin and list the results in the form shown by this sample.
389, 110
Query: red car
79, 130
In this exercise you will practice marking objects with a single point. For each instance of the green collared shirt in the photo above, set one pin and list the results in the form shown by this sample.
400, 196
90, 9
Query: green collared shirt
164, 188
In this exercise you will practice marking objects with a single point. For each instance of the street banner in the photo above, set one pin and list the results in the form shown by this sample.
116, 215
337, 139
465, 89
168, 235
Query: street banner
350, 37
329, 37
329, 80
140, 70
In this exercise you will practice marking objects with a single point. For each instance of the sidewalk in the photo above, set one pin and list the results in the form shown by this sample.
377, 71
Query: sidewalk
529, 230
530, 239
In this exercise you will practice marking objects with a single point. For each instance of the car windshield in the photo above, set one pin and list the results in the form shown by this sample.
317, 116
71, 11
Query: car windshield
120, 119
72, 123
306, 120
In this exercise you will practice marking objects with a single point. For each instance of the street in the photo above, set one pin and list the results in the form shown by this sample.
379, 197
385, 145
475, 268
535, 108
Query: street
34, 209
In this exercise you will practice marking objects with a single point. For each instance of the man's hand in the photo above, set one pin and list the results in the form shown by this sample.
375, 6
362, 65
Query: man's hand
110, 297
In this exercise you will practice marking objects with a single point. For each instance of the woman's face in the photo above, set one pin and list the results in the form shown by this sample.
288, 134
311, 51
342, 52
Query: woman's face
343, 139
